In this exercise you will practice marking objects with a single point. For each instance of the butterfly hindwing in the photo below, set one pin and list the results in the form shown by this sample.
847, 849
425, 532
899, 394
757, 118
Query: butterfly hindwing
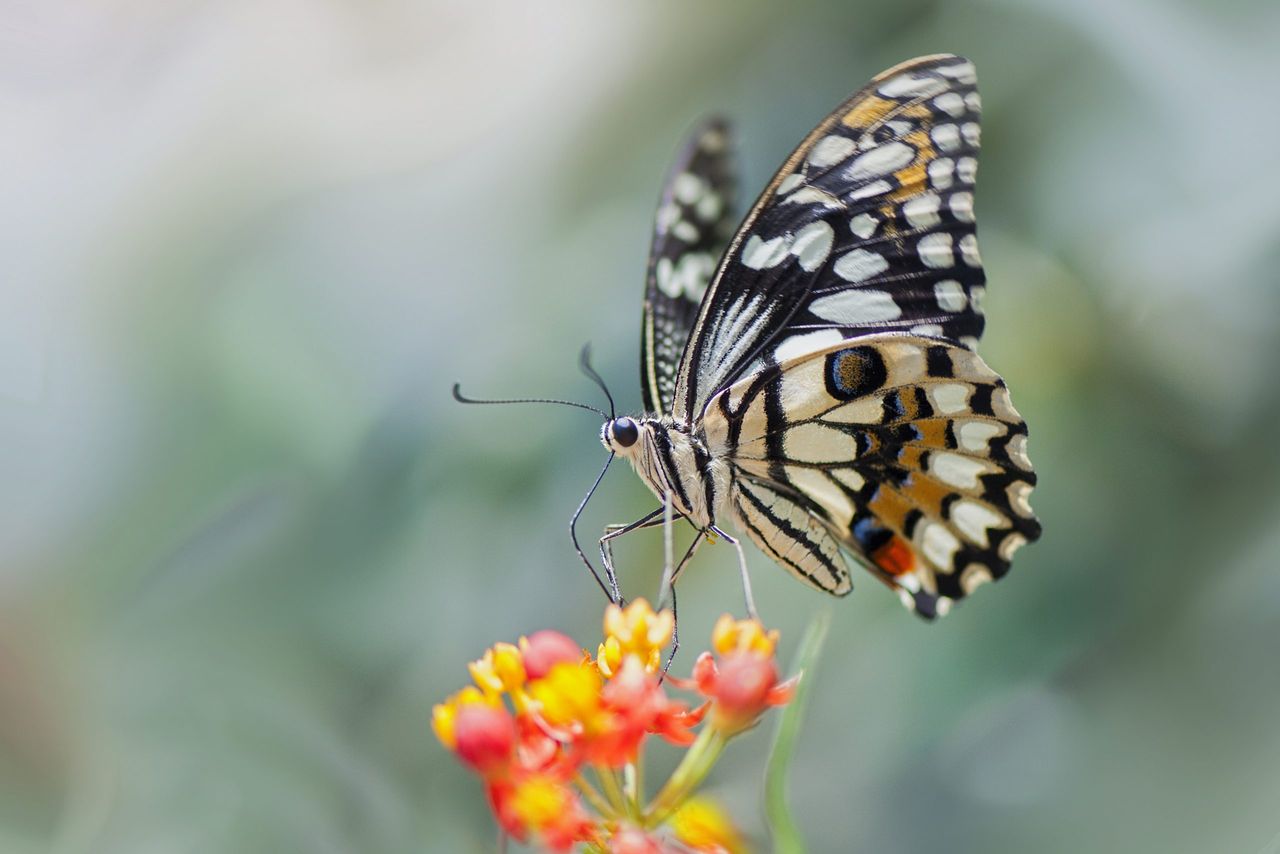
907, 449
693, 225
867, 227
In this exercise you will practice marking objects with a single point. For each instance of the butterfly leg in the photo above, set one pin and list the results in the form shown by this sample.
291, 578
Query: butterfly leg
669, 590
649, 520
742, 567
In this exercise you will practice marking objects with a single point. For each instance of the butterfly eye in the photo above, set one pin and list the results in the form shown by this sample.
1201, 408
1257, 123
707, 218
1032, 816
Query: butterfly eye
625, 432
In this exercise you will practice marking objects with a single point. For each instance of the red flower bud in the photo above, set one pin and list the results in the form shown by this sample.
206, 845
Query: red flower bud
545, 649
742, 689
485, 738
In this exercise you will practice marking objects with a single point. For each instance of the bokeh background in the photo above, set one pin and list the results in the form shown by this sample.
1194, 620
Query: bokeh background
248, 539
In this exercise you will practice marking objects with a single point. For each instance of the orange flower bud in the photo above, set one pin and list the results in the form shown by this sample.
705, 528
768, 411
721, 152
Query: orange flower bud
730, 635
500, 669
636, 630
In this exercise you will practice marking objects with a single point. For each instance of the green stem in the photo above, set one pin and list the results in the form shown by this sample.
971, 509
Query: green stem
593, 796
689, 774
612, 790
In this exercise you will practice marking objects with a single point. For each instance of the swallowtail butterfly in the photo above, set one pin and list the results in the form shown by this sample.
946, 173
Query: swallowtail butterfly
813, 376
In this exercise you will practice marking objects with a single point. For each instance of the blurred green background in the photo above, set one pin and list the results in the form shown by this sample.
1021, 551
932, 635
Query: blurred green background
248, 539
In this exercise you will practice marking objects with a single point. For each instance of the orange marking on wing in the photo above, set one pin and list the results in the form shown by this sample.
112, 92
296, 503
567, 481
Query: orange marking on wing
926, 493
890, 507
895, 557
933, 432
912, 178
868, 112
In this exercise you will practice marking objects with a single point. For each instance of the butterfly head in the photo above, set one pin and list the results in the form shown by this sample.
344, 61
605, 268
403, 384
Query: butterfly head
621, 435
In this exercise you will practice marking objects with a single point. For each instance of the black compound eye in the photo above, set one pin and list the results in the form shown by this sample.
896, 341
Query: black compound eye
625, 432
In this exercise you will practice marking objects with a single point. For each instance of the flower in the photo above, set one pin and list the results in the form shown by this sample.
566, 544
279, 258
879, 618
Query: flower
543, 650
444, 715
740, 686
549, 808
557, 736
730, 635
635, 630
703, 826
500, 669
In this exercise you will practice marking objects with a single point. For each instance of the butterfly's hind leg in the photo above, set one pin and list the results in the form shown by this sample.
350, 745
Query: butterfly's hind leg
742, 568
649, 520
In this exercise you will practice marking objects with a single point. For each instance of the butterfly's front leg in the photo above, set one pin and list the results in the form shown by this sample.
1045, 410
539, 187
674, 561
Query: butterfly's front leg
649, 520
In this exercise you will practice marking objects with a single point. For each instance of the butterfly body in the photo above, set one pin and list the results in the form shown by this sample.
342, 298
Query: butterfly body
819, 386
673, 460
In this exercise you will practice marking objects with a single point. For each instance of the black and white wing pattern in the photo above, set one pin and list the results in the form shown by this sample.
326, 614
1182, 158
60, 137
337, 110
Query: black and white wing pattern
904, 450
866, 228
694, 223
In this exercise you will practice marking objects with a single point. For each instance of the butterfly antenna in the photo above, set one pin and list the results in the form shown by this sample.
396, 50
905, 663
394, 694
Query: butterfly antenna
614, 594
584, 362
461, 398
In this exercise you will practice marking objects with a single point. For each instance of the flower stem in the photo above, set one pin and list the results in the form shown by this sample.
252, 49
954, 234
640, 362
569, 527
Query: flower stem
612, 789
593, 796
689, 774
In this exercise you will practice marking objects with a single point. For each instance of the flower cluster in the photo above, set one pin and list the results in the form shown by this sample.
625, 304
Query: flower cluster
558, 734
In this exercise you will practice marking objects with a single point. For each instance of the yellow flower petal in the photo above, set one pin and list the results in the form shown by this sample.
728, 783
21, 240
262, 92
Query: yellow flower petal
702, 825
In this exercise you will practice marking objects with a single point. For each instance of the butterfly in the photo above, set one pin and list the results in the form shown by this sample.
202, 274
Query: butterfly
812, 377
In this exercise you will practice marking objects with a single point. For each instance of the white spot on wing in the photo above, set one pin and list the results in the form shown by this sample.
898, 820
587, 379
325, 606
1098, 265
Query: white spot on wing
950, 103
949, 398
973, 520
950, 295
962, 206
686, 231
875, 188
789, 183
759, 254
880, 161
976, 435
969, 250
831, 150
940, 170
946, 137
922, 211
863, 225
812, 245
935, 250
856, 306
906, 86
687, 187
939, 546
859, 265
958, 471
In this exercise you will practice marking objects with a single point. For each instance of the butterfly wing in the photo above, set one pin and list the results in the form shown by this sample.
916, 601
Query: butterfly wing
907, 450
867, 227
692, 228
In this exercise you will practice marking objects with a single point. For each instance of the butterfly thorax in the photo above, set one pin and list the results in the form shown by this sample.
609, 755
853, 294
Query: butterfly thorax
672, 459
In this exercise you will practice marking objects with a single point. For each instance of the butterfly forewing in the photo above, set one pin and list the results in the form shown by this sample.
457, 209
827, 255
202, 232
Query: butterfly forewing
867, 227
693, 225
907, 449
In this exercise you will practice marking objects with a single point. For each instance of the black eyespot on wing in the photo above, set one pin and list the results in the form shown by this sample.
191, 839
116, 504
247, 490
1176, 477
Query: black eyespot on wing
625, 432
855, 372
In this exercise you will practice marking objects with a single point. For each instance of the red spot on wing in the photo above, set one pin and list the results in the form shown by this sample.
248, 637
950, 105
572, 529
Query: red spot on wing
895, 557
